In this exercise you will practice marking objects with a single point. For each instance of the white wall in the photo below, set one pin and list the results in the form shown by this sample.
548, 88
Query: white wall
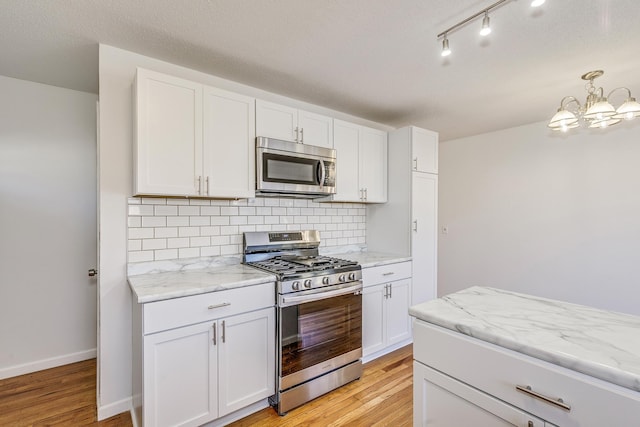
117, 70
554, 216
47, 226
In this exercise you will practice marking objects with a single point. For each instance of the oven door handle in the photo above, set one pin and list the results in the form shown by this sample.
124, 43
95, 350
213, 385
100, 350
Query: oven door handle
356, 289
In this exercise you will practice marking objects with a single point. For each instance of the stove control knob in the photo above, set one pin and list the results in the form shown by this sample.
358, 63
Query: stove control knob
296, 285
307, 283
342, 278
325, 280
352, 276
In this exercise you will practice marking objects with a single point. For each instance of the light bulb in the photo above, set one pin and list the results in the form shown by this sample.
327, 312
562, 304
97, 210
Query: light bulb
537, 3
486, 26
445, 47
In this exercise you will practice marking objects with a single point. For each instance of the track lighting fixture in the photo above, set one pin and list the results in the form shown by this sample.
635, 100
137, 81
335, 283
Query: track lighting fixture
596, 112
486, 26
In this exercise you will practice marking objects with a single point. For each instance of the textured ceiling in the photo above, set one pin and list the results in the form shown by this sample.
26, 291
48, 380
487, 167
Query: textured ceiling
377, 59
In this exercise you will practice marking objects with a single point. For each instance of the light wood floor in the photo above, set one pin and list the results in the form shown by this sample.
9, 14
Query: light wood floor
66, 396
63, 396
382, 397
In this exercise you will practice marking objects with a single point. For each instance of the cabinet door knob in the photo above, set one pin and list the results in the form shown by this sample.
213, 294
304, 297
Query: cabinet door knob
223, 332
207, 186
302, 135
415, 225
214, 333
415, 164
92, 272
297, 134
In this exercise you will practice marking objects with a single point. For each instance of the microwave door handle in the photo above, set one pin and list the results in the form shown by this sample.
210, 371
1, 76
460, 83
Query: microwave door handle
321, 172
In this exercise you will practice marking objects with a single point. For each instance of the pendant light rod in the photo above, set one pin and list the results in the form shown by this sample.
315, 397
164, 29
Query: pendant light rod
472, 17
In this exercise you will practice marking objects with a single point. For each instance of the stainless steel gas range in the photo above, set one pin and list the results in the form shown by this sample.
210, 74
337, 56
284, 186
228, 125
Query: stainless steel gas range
319, 305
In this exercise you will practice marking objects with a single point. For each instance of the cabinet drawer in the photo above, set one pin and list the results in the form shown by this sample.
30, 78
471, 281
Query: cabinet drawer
162, 315
386, 273
497, 371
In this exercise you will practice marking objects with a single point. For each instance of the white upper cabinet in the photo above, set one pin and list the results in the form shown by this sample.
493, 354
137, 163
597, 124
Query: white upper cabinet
424, 149
168, 148
228, 144
361, 166
191, 139
290, 124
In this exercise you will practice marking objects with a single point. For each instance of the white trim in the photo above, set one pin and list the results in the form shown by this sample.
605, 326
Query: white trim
369, 357
53, 362
115, 408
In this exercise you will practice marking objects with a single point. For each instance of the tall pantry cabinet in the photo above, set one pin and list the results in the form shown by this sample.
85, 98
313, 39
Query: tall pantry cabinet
408, 223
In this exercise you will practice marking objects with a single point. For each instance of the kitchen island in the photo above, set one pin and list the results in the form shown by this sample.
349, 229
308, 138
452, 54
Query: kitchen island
488, 357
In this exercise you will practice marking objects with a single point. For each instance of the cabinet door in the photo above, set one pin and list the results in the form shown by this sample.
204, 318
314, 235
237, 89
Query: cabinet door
398, 319
276, 121
315, 129
373, 164
345, 141
424, 237
442, 401
228, 144
168, 135
180, 383
424, 148
247, 359
373, 321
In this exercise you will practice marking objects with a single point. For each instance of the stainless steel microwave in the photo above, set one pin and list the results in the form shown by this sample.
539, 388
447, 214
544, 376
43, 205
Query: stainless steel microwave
290, 169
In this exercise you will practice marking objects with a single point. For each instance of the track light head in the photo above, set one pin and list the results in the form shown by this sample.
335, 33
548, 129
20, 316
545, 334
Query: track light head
445, 47
486, 26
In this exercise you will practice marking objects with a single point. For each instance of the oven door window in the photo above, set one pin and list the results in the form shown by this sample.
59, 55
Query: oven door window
290, 169
318, 331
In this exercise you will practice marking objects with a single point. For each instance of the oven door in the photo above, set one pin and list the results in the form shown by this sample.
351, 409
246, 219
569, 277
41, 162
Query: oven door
319, 332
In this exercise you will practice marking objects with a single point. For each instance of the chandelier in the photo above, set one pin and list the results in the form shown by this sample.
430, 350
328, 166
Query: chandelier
596, 111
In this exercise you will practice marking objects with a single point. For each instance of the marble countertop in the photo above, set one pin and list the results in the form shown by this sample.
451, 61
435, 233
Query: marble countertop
372, 259
595, 342
157, 286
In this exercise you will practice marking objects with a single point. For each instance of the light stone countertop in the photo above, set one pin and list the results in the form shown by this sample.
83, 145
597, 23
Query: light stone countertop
595, 342
160, 280
162, 285
370, 259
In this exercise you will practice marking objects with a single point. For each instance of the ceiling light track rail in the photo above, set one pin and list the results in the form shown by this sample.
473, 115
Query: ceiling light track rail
484, 11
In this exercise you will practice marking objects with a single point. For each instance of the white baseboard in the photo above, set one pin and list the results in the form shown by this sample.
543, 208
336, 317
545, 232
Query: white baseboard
52, 362
394, 347
115, 408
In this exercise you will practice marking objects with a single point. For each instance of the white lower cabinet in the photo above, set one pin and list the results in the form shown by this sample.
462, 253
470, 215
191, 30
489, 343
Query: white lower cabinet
463, 381
200, 372
441, 401
386, 298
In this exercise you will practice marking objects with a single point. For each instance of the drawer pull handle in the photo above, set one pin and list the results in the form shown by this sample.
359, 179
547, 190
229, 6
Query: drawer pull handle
224, 304
557, 402
389, 273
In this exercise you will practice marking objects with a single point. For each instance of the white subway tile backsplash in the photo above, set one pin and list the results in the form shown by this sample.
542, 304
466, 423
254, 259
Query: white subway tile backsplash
164, 232
177, 221
210, 210
199, 241
140, 233
237, 220
168, 228
188, 210
154, 221
199, 220
166, 210
178, 242
188, 231
165, 254
229, 210
150, 244
188, 252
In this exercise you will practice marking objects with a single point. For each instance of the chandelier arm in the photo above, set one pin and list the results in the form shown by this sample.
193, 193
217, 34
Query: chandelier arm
570, 99
622, 87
